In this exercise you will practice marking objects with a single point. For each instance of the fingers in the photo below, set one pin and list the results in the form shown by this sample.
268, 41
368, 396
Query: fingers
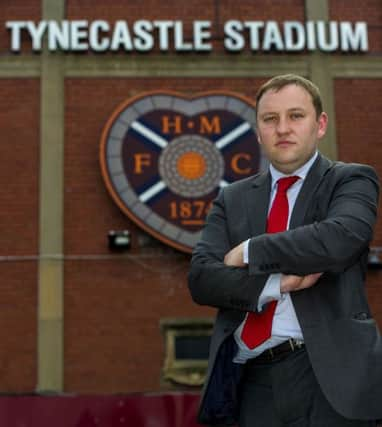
310, 280
290, 282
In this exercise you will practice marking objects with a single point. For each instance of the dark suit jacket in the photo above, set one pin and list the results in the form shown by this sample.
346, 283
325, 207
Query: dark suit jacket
330, 229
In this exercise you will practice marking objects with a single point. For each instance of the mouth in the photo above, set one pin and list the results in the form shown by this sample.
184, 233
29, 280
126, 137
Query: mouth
284, 143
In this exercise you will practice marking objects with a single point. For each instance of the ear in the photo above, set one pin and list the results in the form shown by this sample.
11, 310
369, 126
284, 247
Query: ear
322, 125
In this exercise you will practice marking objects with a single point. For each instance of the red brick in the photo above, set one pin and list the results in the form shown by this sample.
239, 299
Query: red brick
113, 307
18, 324
358, 103
17, 10
369, 11
19, 163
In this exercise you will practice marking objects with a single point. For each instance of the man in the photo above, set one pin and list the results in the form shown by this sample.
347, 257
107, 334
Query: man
283, 256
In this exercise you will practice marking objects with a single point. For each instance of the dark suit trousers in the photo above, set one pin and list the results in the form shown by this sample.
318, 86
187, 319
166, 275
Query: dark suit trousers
285, 393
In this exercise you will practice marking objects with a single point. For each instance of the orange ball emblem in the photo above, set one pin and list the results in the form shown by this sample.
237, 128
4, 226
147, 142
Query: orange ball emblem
191, 165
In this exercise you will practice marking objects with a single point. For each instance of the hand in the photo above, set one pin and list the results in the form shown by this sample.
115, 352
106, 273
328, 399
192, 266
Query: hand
234, 257
290, 283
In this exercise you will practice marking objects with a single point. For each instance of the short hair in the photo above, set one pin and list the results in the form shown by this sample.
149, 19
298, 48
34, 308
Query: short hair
278, 82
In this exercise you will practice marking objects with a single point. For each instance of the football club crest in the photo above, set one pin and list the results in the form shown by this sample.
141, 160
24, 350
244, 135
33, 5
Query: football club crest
164, 157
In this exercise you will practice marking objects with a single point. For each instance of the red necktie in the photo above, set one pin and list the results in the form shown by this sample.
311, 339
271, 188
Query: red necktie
258, 326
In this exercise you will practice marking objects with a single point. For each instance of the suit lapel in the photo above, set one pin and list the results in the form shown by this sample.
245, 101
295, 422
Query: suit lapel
257, 199
312, 181
257, 202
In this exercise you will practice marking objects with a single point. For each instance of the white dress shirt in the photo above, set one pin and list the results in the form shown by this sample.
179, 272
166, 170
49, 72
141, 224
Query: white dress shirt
285, 323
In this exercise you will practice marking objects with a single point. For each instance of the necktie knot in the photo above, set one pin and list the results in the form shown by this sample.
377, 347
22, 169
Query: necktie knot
283, 184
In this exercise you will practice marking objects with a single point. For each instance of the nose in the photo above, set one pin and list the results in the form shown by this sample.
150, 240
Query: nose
283, 125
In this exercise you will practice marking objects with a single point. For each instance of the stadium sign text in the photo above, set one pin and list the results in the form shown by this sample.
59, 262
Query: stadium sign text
167, 35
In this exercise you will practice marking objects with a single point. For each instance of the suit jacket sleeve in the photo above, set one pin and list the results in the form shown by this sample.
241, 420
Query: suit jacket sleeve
213, 283
330, 244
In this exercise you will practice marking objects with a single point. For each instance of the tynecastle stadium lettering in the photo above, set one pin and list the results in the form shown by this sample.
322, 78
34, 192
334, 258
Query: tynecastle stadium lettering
166, 35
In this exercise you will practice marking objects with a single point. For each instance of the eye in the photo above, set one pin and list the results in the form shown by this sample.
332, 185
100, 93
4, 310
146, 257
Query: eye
269, 119
296, 116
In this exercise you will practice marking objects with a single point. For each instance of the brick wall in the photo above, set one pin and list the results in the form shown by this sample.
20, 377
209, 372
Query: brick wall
358, 105
187, 12
113, 303
19, 118
369, 11
115, 310
113, 307
17, 10
216, 12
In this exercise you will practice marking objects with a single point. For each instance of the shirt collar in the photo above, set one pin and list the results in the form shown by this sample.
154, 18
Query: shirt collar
301, 172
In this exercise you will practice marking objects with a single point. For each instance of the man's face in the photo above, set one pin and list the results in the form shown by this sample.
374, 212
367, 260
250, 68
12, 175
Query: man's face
287, 127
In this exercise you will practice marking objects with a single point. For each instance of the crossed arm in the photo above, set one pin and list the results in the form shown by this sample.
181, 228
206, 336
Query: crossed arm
288, 282
217, 277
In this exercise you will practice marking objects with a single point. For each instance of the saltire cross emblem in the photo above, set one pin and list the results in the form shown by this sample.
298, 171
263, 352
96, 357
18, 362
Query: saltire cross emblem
165, 156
